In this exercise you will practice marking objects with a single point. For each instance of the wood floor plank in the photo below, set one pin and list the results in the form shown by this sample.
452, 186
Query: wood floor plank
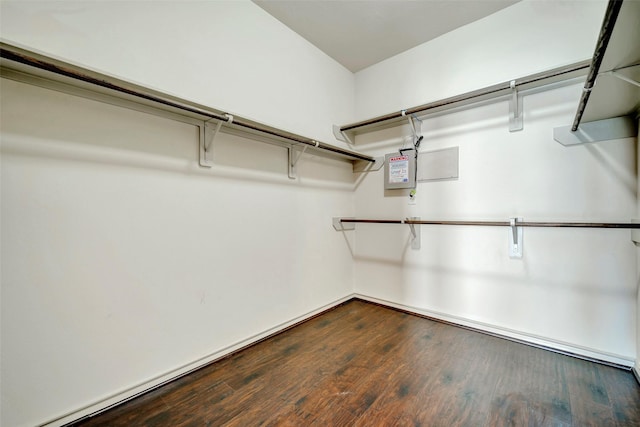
589, 395
148, 409
404, 377
362, 364
344, 387
532, 385
624, 393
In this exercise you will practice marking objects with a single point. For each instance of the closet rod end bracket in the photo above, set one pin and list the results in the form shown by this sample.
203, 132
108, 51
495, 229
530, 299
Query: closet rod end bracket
338, 225
516, 122
416, 240
515, 238
635, 233
206, 137
342, 136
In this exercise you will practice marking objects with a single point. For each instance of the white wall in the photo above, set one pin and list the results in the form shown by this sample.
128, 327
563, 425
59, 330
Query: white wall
574, 289
528, 37
229, 55
122, 260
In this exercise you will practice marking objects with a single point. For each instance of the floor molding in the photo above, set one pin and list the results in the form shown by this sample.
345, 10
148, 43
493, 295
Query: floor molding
508, 334
362, 364
503, 333
176, 373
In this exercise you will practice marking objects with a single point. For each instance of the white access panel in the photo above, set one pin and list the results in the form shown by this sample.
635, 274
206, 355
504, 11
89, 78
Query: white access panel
438, 164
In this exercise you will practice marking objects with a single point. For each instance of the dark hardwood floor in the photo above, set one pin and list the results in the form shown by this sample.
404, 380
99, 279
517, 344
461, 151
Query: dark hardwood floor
365, 365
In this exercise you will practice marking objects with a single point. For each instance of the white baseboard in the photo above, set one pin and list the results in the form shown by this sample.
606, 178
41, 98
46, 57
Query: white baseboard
636, 373
535, 340
152, 383
136, 390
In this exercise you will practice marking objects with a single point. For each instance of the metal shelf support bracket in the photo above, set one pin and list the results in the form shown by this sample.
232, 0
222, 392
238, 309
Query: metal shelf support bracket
206, 140
515, 238
635, 233
338, 225
416, 125
364, 166
515, 109
293, 162
415, 232
342, 136
624, 78
598, 130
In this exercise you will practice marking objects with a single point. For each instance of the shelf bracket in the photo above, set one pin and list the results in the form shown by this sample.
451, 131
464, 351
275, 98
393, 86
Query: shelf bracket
338, 225
635, 233
342, 136
598, 130
208, 137
416, 130
415, 232
293, 162
515, 109
515, 238
622, 77
364, 166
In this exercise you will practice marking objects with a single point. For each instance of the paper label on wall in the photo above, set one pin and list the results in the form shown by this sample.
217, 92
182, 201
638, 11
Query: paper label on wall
398, 169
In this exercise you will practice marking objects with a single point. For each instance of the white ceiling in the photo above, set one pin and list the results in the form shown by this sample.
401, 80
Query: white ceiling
360, 33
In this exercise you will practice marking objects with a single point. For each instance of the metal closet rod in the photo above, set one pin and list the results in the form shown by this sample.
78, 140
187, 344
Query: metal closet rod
476, 95
630, 225
61, 68
609, 22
